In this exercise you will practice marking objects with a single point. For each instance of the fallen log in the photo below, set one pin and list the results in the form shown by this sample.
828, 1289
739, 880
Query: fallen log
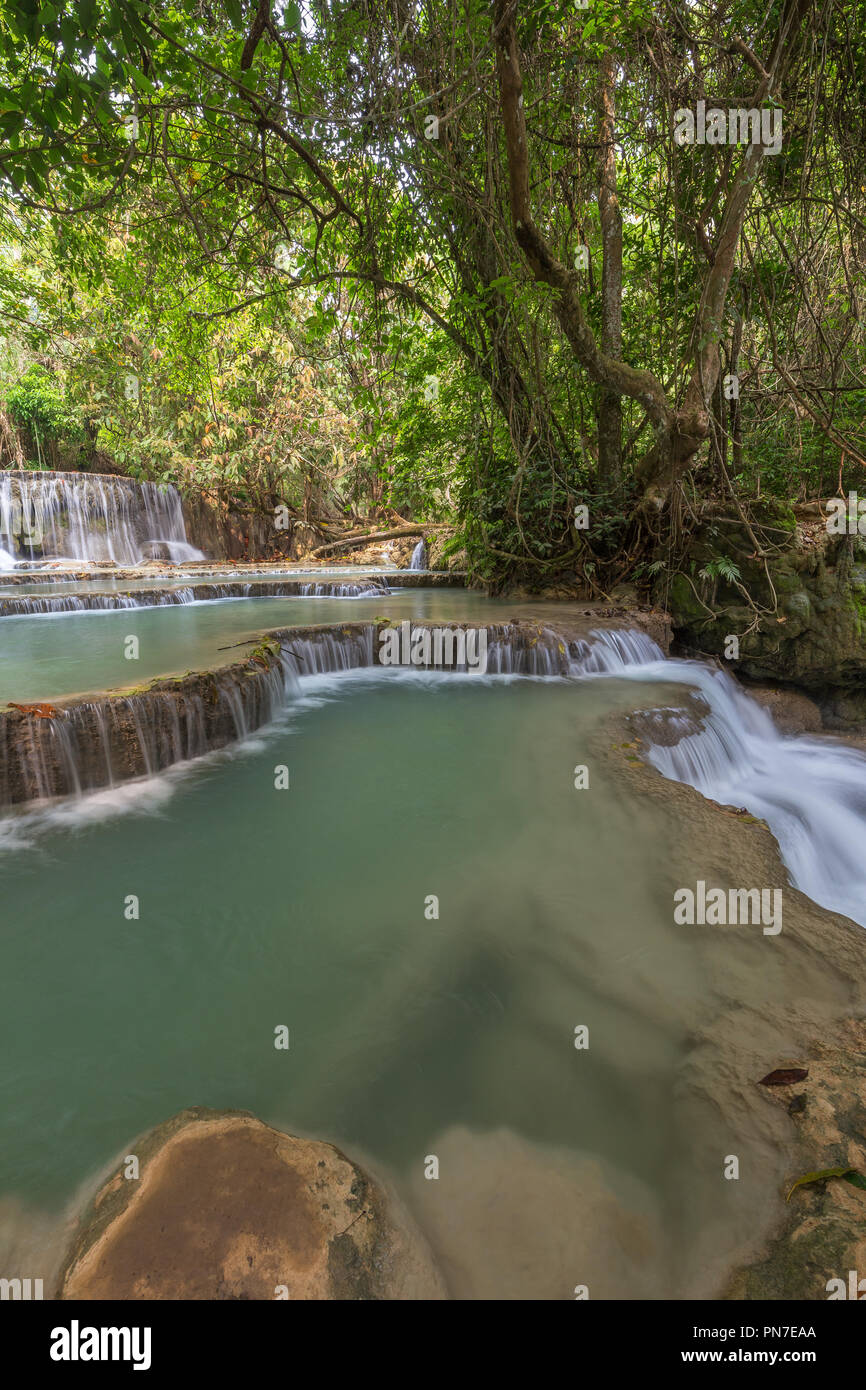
396, 533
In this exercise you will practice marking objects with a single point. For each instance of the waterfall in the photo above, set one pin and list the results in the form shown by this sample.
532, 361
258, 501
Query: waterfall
371, 588
89, 516
28, 605
92, 744
810, 791
419, 556
31, 605
75, 603
518, 650
515, 651
327, 652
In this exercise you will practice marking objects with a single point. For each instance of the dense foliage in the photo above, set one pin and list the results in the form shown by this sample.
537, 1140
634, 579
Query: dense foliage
287, 252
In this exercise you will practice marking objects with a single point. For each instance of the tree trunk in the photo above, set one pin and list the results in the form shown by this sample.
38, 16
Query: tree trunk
718, 431
610, 408
734, 403
680, 431
350, 542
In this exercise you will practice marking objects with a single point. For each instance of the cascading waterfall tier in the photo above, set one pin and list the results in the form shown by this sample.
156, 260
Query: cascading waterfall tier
30, 604
90, 516
86, 745
52, 573
811, 792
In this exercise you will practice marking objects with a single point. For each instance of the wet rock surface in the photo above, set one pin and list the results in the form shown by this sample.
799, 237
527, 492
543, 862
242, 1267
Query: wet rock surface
824, 1232
792, 711
251, 579
806, 624
668, 724
816, 1023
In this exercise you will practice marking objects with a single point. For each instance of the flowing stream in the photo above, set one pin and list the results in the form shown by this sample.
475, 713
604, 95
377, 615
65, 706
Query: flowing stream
47, 656
811, 792
415, 1034
411, 1035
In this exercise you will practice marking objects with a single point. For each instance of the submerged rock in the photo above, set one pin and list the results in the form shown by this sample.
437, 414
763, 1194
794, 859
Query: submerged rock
514, 1219
227, 1208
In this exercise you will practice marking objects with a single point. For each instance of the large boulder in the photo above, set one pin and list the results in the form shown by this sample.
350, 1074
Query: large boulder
225, 1207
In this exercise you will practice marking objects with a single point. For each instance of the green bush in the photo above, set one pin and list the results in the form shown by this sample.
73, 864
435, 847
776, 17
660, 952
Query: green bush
37, 402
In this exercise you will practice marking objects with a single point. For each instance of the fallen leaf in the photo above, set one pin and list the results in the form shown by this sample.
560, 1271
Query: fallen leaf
784, 1076
851, 1175
40, 711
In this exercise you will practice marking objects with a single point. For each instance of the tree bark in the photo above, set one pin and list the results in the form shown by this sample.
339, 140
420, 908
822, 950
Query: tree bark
734, 403
350, 542
610, 406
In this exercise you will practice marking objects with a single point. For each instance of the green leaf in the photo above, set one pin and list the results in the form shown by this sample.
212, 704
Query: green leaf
138, 79
852, 1175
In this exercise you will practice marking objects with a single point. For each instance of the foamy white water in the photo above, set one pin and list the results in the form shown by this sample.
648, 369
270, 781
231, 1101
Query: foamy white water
811, 792
83, 516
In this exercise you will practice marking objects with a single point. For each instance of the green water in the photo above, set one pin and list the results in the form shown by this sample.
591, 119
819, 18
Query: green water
53, 655
409, 1036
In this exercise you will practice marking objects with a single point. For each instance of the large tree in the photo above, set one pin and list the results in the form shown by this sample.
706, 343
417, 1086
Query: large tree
427, 175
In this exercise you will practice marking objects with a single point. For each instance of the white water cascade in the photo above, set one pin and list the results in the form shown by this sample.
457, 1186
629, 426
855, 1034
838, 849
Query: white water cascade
811, 792
90, 516
31, 604
419, 556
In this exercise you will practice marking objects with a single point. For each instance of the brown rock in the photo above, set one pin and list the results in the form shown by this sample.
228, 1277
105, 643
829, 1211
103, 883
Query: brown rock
227, 1208
823, 1235
792, 712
